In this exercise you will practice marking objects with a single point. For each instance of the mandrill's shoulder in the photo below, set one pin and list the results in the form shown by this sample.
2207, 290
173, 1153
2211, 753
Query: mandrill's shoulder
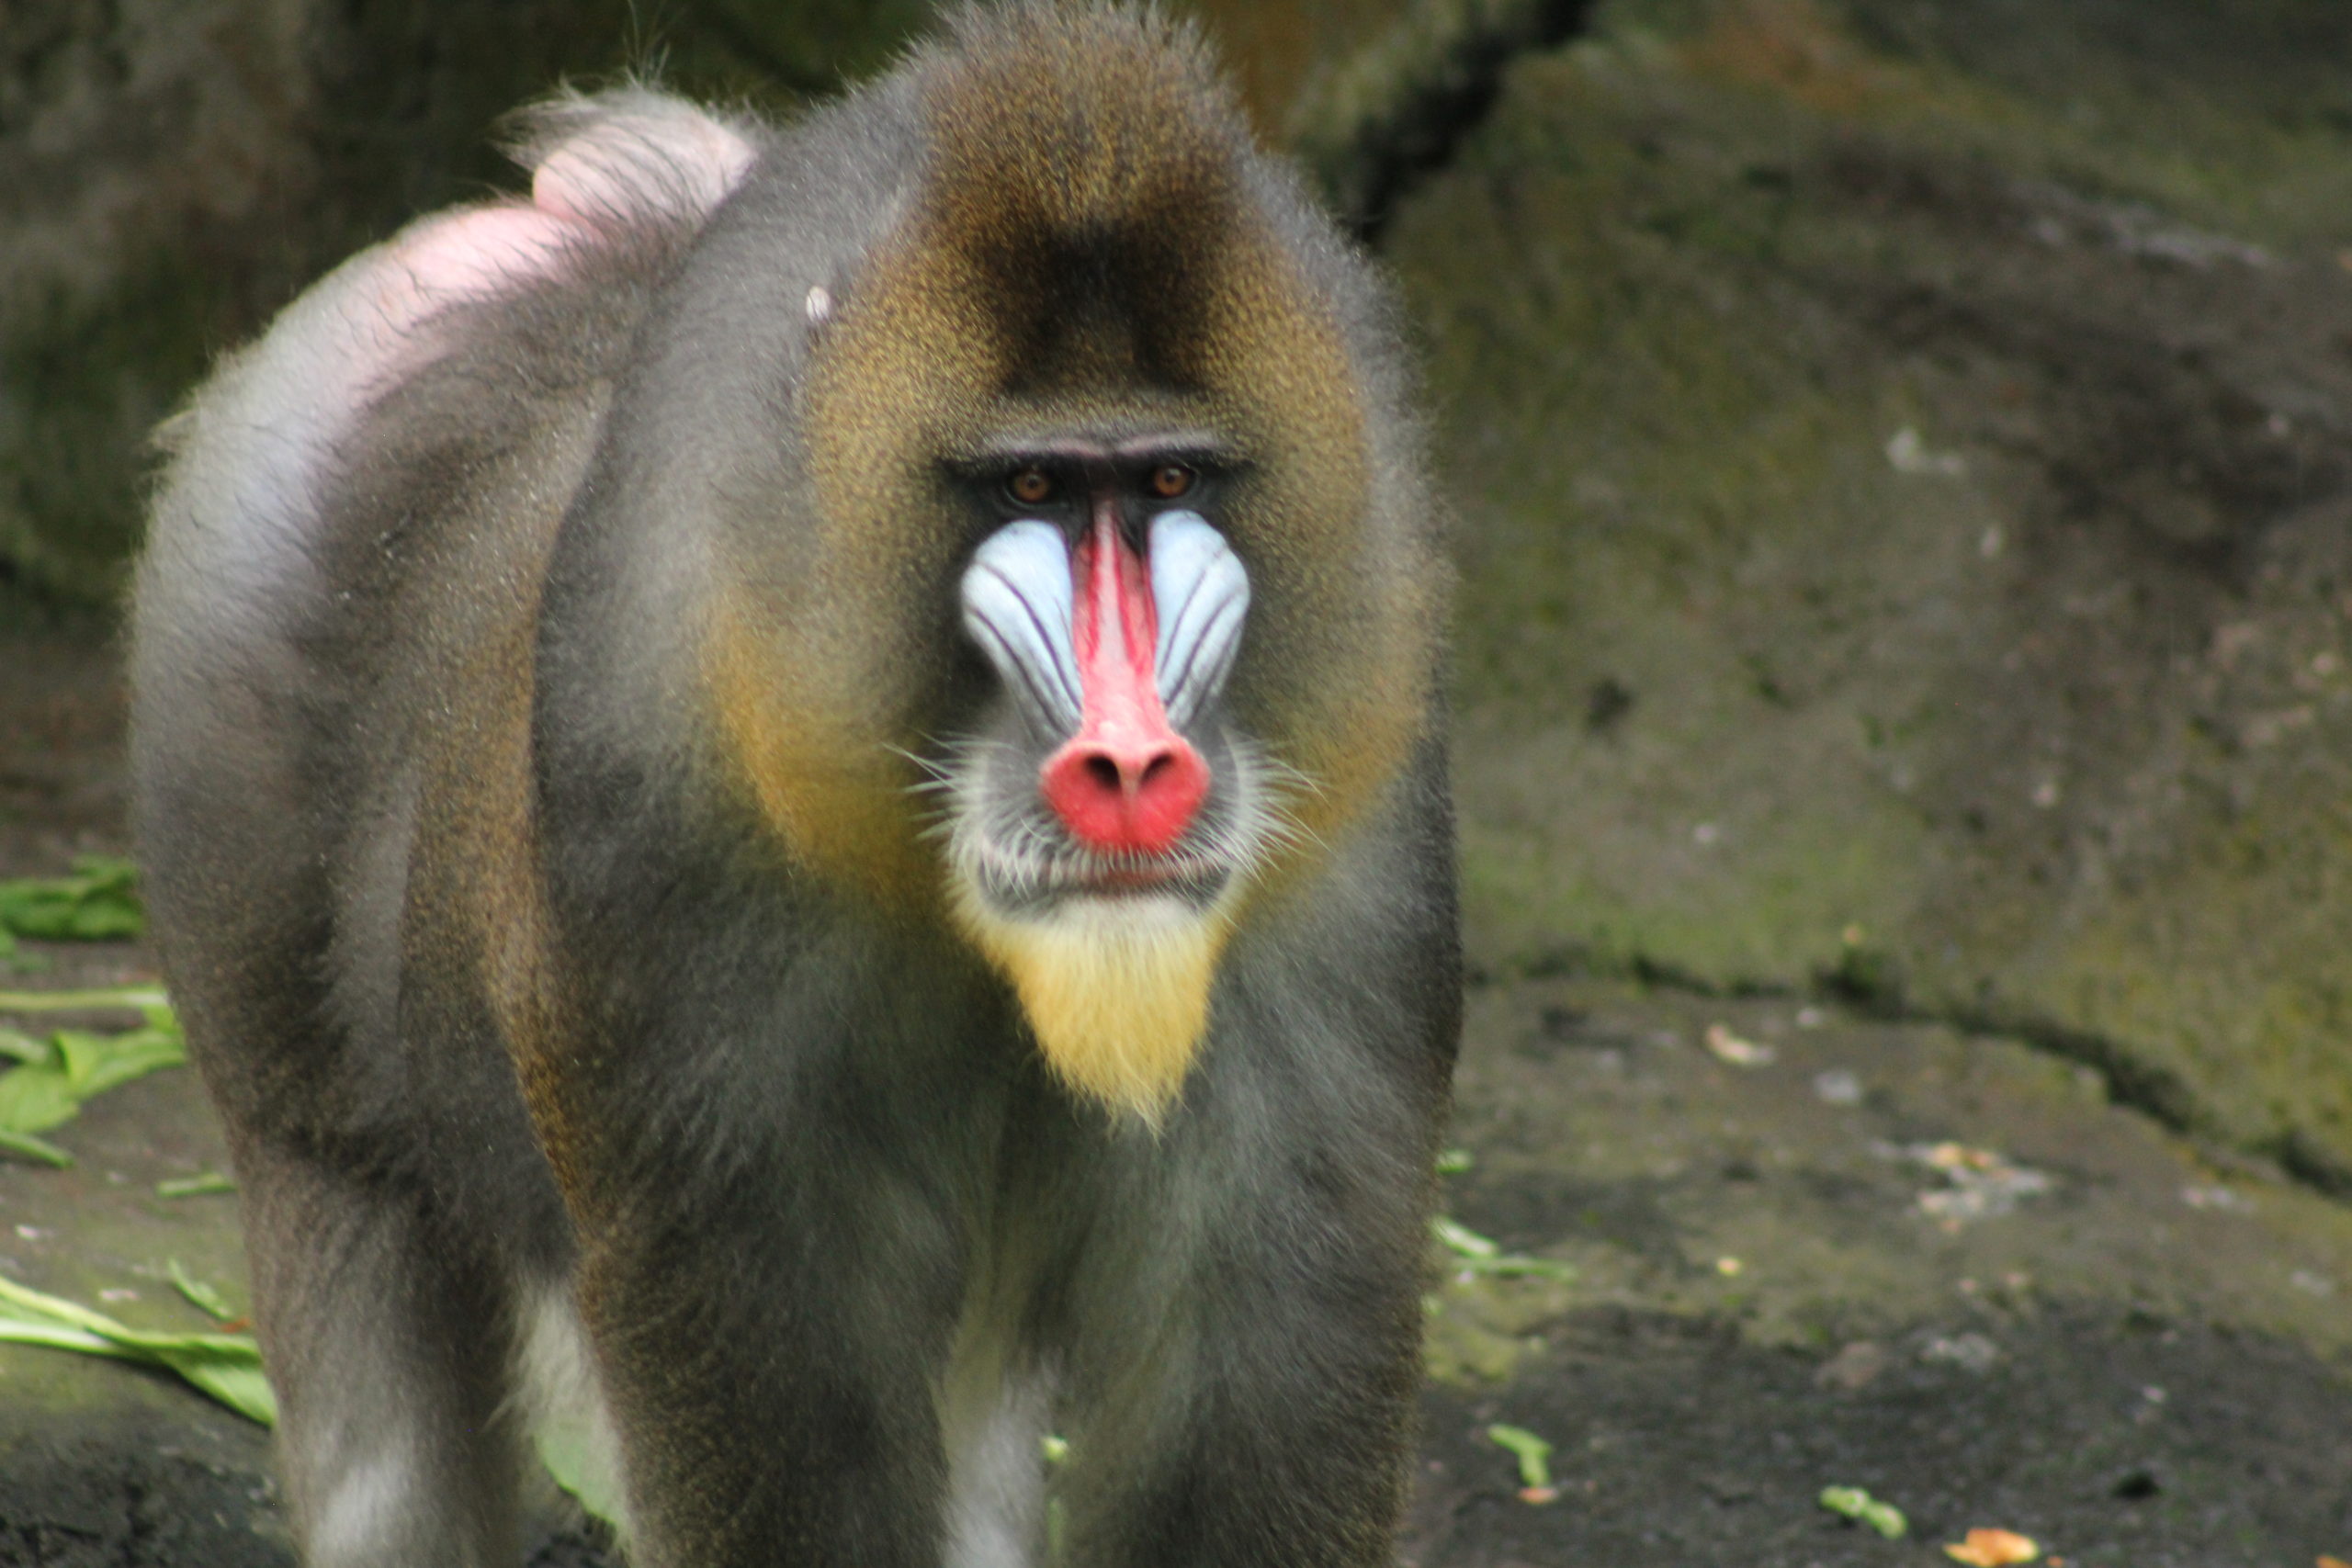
466, 333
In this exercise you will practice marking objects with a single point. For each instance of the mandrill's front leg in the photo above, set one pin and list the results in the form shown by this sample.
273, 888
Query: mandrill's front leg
773, 1385
1245, 1372
773, 1317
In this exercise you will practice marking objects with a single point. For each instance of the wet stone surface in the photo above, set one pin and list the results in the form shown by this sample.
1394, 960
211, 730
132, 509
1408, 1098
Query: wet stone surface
1816, 1249
2107, 1439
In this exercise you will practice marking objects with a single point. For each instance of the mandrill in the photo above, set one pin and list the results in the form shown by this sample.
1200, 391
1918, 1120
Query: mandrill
795, 798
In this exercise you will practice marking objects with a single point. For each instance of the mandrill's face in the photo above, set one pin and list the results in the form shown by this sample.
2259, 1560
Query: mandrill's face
1106, 813
1082, 515
1111, 608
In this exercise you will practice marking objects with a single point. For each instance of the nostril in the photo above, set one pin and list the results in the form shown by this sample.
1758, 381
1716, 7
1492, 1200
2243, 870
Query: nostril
1127, 799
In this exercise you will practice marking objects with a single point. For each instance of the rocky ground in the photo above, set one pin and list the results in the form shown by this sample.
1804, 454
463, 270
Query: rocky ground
1810, 1248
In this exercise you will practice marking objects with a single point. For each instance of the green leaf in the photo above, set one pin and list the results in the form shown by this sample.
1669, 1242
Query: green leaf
34, 1099
148, 999
73, 1065
1863, 1509
201, 1295
240, 1385
58, 1337
1483, 1255
565, 1450
99, 903
197, 1185
1518, 1265
96, 1063
32, 1305
26, 1146
226, 1366
1464, 1242
1531, 1451
1454, 1162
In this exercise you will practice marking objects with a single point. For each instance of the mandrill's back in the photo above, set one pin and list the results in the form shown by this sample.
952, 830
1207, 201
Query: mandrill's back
336, 619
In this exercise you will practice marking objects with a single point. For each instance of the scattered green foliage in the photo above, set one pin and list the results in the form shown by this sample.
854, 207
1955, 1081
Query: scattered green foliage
197, 1186
40, 1151
565, 1450
1863, 1509
226, 1366
1532, 1452
99, 902
1464, 1242
1055, 1450
199, 1295
1454, 1162
98, 998
56, 1077
1483, 1255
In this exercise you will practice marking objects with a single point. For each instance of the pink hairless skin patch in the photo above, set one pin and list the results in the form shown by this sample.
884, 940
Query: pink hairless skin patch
1127, 782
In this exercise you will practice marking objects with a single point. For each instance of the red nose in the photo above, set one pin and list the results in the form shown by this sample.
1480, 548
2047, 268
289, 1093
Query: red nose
1134, 794
1127, 782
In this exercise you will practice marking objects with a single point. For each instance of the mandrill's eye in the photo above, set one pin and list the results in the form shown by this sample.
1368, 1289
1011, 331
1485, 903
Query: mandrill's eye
1031, 487
1170, 479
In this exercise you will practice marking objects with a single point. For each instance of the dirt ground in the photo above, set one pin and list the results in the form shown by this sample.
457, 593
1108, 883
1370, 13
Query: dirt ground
1809, 1248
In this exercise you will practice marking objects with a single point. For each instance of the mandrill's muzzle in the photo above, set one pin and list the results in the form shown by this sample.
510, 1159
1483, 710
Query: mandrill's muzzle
1113, 655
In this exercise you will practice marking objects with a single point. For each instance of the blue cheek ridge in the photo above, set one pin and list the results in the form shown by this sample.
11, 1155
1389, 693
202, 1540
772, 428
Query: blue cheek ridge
1201, 592
1016, 599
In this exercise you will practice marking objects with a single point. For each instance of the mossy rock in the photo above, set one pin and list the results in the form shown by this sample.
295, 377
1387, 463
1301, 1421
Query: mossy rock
1905, 514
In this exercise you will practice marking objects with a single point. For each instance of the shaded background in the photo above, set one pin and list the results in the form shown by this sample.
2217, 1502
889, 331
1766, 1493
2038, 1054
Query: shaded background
1902, 460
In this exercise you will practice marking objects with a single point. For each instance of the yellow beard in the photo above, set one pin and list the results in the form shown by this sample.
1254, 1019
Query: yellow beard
1117, 990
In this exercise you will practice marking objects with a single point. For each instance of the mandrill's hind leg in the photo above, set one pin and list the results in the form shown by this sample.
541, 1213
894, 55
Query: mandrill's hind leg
388, 1346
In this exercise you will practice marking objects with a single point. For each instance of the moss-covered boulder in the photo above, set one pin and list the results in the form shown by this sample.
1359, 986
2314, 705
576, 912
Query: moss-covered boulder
173, 171
1903, 457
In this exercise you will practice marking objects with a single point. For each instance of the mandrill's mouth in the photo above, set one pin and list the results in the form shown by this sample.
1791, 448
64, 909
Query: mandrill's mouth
1120, 881
1190, 879
1022, 863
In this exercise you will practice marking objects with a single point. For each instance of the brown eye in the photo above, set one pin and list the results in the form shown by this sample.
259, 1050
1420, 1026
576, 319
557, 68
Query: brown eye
1170, 479
1029, 486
